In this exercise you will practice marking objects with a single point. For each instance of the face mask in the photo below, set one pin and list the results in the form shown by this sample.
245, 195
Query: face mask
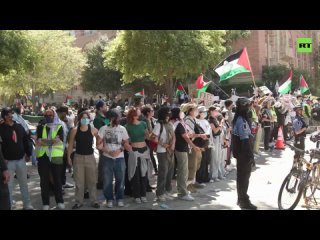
182, 115
49, 119
18, 111
84, 121
204, 114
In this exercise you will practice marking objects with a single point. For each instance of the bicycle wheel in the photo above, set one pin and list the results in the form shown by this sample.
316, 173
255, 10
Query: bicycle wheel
291, 190
311, 185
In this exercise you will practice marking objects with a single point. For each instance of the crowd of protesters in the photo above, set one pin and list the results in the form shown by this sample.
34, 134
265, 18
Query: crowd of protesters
190, 142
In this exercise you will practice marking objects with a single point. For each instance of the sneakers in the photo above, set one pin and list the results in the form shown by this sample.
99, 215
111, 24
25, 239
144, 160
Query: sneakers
68, 185
138, 200
45, 207
60, 206
216, 180
144, 200
95, 205
187, 197
77, 206
211, 181
162, 198
247, 206
110, 204
120, 203
168, 196
28, 207
199, 185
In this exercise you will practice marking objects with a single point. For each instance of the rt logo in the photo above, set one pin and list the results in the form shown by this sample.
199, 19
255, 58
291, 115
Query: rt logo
304, 44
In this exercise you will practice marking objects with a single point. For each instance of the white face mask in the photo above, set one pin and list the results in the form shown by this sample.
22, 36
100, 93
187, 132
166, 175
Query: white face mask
182, 115
203, 115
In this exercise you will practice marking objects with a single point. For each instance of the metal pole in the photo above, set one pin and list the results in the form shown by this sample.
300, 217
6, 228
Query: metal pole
217, 86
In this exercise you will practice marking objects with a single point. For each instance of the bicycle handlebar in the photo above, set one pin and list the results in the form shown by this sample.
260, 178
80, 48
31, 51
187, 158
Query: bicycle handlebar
297, 149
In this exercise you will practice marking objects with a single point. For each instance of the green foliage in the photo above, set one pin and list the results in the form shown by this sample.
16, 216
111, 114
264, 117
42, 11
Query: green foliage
233, 35
164, 54
95, 77
55, 64
14, 50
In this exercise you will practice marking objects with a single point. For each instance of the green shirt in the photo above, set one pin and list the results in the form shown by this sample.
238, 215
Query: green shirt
136, 132
100, 121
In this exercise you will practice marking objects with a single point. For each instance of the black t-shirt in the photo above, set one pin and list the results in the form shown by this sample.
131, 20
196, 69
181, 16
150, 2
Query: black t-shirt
181, 144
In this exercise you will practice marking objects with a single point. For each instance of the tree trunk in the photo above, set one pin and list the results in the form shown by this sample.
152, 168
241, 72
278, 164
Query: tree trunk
169, 88
33, 99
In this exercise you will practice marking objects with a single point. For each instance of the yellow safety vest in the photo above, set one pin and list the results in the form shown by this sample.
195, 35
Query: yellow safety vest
274, 115
57, 150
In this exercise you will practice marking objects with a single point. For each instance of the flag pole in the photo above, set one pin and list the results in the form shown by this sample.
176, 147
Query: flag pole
250, 68
217, 86
184, 91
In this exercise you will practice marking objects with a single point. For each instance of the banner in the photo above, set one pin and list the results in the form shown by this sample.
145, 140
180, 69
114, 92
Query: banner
207, 98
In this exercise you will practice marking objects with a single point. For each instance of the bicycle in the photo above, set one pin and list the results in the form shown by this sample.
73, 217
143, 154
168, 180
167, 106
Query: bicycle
299, 182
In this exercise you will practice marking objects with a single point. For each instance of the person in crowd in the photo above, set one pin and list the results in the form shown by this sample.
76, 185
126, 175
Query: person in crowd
15, 149
266, 118
216, 128
202, 175
139, 159
148, 114
84, 163
182, 144
243, 152
300, 128
4, 189
49, 152
164, 135
194, 158
100, 121
62, 113
112, 142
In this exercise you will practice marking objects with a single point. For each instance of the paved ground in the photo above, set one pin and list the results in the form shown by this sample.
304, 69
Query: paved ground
265, 182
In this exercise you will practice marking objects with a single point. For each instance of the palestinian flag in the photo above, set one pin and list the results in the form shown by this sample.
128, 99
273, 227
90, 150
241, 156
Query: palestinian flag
303, 85
286, 86
203, 89
233, 65
139, 94
201, 85
179, 90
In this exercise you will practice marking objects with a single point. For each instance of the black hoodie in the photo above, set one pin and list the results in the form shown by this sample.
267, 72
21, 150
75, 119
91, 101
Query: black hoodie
14, 146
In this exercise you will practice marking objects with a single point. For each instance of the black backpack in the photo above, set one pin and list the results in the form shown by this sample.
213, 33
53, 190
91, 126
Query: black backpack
199, 142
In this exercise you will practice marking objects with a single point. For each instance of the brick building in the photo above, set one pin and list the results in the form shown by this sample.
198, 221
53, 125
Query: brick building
273, 47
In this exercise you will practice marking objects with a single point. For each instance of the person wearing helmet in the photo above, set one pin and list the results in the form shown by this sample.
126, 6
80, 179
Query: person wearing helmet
242, 149
300, 128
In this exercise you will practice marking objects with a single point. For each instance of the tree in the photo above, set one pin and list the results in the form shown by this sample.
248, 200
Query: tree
14, 50
55, 65
95, 77
233, 35
164, 55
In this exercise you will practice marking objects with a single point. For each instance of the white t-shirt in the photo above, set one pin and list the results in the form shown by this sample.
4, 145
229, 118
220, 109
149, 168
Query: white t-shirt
204, 124
112, 138
162, 138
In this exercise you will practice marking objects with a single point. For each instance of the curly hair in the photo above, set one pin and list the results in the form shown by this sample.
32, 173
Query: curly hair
133, 112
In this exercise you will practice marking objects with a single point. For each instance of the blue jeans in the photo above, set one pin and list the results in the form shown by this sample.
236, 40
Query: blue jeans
117, 168
20, 168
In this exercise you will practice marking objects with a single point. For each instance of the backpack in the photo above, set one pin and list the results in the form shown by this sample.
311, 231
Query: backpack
199, 142
152, 144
